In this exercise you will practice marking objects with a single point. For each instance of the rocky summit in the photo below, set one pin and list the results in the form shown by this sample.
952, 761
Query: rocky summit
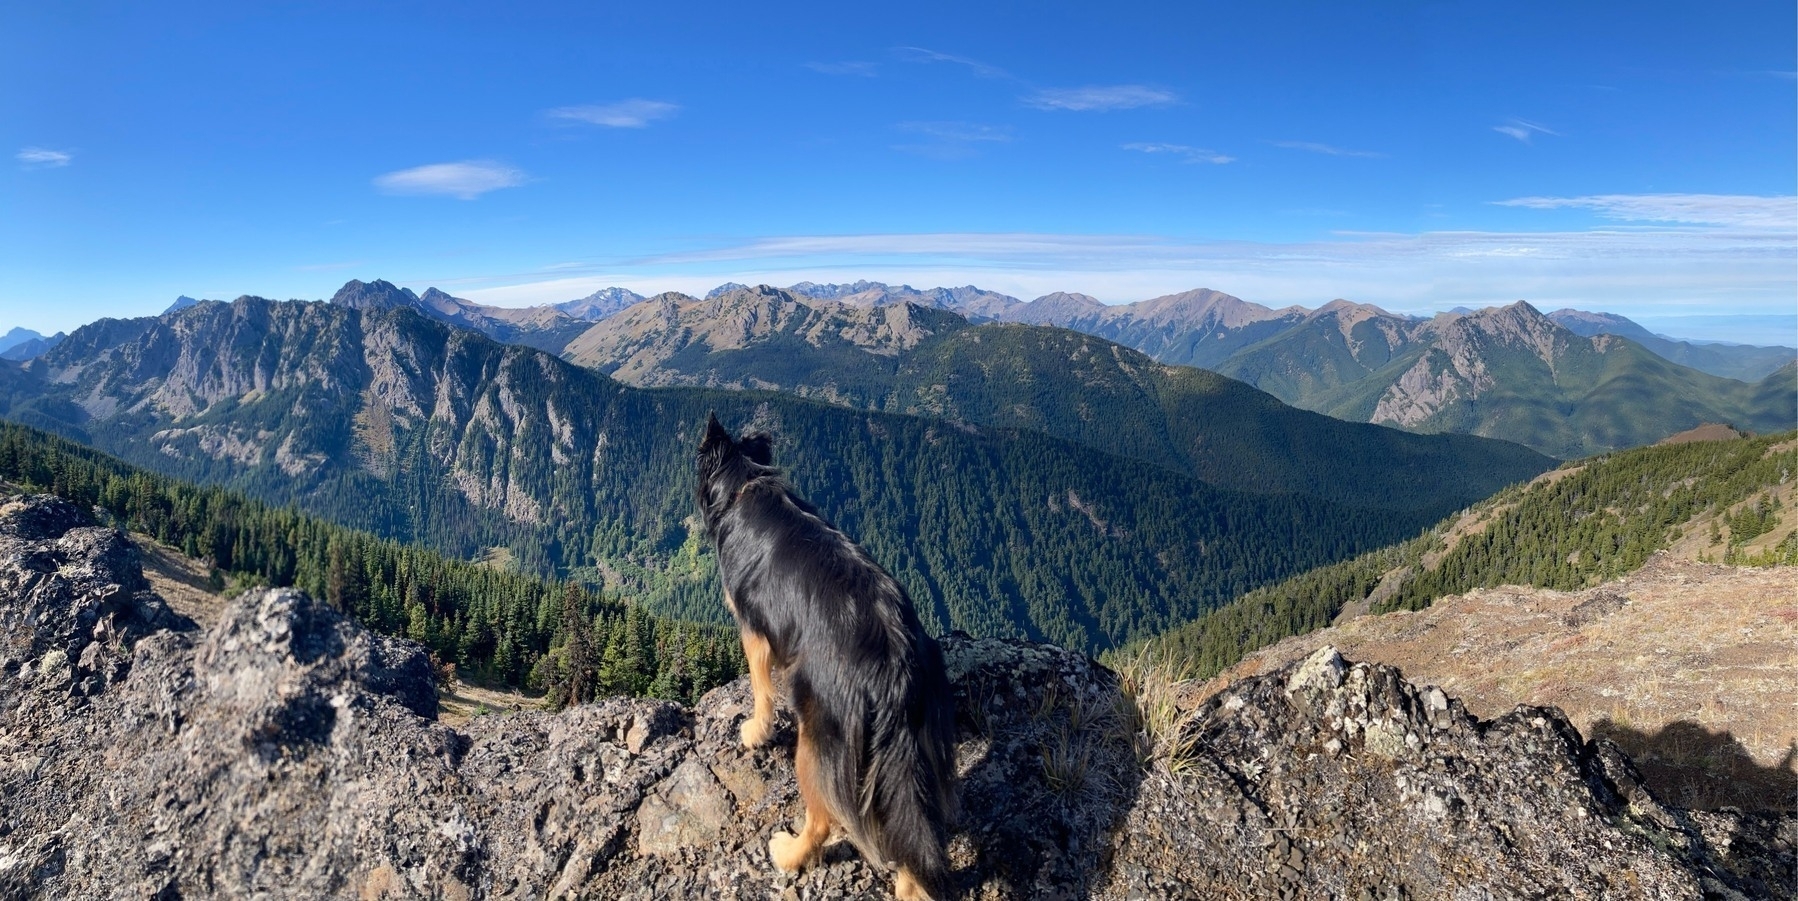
281, 750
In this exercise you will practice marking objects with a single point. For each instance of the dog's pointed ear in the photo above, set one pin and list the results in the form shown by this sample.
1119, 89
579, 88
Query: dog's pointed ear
714, 433
758, 447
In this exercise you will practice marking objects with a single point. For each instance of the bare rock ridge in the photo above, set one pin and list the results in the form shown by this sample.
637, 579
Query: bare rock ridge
284, 751
637, 345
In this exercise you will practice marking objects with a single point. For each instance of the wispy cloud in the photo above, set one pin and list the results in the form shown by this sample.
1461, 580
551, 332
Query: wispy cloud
950, 140
926, 55
1524, 131
43, 158
1729, 210
1092, 98
1100, 98
1327, 150
463, 180
958, 131
633, 113
858, 69
1633, 271
1185, 153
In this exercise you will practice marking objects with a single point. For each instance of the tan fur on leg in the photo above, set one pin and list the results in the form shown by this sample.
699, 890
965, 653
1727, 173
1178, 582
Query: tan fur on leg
906, 887
758, 727
792, 852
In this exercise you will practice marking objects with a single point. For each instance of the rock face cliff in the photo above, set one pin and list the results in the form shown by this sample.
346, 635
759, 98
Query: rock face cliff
655, 344
284, 751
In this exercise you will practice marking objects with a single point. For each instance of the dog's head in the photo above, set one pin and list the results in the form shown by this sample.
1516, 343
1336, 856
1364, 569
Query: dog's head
725, 464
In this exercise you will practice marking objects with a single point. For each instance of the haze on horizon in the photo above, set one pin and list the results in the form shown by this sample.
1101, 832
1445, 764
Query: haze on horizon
1634, 159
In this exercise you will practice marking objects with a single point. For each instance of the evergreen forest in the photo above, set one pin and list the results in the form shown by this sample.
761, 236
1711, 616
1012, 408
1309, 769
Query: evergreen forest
562, 638
1585, 523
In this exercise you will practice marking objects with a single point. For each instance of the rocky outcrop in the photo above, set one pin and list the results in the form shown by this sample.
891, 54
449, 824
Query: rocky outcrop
1686, 666
974, 303
283, 751
656, 343
546, 328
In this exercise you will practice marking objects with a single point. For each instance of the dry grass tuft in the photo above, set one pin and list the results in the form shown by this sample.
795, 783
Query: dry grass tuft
1149, 710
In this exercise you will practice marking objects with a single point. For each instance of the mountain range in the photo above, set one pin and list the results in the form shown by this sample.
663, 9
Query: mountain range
20, 344
1566, 384
1734, 361
926, 361
1201, 327
1501, 372
367, 413
1506, 372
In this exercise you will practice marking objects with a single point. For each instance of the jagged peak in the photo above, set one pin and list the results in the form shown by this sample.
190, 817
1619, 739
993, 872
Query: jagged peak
376, 295
832, 291
725, 288
1517, 309
754, 295
600, 304
181, 303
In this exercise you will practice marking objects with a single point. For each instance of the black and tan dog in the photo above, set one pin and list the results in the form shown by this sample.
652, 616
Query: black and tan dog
876, 722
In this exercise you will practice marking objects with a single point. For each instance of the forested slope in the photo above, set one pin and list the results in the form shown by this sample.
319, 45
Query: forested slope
1579, 525
909, 359
524, 631
419, 432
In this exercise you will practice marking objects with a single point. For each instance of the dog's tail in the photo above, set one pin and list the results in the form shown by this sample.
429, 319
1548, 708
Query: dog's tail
892, 781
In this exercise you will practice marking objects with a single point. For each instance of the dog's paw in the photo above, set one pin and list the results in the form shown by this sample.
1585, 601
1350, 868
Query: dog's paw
789, 856
906, 887
755, 732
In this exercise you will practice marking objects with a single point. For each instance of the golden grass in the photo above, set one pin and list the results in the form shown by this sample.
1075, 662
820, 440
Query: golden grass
1689, 667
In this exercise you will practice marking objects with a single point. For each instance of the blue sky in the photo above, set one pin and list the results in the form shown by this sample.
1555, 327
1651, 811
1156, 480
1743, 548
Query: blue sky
1633, 157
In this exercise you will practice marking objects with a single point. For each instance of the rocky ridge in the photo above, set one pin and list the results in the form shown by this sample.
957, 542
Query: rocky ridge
1687, 666
546, 328
284, 751
1731, 361
636, 345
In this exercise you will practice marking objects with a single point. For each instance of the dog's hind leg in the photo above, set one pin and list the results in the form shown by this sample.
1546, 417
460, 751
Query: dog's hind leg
760, 725
795, 852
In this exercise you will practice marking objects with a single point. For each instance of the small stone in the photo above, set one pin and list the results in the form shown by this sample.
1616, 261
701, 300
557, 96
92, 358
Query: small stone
638, 736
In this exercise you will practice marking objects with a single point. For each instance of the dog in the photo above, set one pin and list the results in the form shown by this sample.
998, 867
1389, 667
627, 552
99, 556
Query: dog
876, 749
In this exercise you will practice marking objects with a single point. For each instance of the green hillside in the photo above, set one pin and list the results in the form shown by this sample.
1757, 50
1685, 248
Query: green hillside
1582, 524
1583, 400
395, 424
524, 631
1062, 383
1509, 373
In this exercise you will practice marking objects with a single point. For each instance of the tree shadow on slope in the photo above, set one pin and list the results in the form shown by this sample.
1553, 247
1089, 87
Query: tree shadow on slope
1696, 768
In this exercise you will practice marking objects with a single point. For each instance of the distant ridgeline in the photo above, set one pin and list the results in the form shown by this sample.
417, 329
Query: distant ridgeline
527, 632
387, 421
1585, 523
